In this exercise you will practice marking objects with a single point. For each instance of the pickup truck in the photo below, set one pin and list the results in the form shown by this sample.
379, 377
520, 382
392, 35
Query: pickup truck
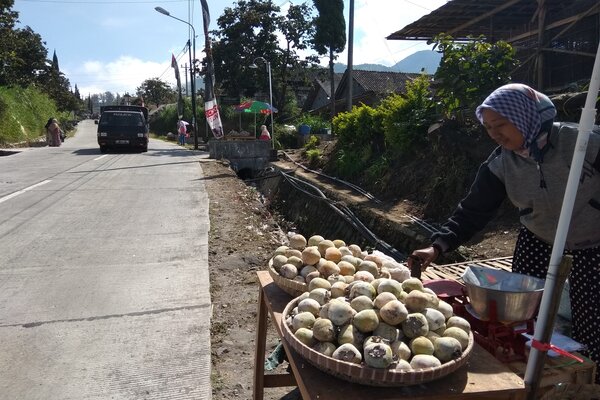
123, 127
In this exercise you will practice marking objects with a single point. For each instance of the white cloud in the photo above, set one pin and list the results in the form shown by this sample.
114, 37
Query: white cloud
374, 20
122, 75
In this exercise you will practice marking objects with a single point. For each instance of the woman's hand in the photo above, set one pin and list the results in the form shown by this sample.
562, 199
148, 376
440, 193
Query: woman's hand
425, 256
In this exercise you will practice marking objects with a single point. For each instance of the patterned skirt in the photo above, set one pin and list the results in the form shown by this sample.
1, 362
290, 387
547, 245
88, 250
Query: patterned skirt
532, 257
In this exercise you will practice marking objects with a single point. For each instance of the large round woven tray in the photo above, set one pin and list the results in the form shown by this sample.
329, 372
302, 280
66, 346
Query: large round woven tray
366, 375
293, 288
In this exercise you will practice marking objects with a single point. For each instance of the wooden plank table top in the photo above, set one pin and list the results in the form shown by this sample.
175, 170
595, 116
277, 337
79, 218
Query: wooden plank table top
456, 270
483, 377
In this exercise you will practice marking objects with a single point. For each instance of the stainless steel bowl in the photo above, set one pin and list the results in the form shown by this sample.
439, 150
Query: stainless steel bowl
507, 296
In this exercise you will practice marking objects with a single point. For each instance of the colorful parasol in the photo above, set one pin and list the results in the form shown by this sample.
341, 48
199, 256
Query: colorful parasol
257, 107
254, 107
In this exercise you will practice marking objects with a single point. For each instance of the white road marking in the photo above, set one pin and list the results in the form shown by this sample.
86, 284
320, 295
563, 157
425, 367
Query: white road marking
15, 194
102, 156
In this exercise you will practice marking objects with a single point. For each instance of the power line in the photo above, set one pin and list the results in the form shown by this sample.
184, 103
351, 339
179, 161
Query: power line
419, 5
101, 2
180, 55
385, 41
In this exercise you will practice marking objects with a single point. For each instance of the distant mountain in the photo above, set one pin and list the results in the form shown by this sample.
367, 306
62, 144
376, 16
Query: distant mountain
429, 60
425, 59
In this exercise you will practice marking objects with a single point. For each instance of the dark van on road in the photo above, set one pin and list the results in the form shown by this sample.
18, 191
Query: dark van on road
123, 127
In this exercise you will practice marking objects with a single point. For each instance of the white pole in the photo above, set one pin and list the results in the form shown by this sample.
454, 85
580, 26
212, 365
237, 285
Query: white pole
545, 320
271, 103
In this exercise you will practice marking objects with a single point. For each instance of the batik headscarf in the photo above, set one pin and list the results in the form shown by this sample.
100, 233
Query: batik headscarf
530, 111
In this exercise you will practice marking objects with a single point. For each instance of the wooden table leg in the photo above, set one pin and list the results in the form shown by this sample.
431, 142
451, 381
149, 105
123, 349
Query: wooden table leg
259, 356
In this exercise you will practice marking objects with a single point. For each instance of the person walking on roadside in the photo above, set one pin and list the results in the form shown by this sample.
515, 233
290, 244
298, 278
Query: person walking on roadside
531, 167
53, 133
181, 131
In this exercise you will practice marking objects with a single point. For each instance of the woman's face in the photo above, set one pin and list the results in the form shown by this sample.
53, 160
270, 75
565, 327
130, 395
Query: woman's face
501, 130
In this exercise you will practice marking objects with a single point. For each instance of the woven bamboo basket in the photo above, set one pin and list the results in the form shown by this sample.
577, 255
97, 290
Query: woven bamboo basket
289, 286
364, 375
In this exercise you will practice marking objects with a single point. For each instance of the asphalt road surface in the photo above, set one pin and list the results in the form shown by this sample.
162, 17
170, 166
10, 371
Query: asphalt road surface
103, 273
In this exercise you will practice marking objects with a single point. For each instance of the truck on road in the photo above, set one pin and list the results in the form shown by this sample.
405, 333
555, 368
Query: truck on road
123, 127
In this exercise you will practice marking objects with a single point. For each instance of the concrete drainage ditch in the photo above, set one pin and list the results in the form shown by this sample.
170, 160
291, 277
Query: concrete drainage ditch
316, 208
364, 224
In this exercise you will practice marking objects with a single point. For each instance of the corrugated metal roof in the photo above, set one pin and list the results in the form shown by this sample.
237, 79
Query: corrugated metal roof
496, 19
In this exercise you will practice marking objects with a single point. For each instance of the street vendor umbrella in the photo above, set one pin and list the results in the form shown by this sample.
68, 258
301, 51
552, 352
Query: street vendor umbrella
254, 107
182, 122
553, 286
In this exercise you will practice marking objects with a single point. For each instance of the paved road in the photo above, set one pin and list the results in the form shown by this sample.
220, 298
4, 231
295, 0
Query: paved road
103, 273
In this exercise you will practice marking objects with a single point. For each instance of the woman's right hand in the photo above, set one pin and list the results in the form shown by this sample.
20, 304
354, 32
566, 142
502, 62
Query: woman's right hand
426, 256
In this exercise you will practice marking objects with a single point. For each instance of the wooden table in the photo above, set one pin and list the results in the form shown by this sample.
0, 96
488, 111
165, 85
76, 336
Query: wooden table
483, 377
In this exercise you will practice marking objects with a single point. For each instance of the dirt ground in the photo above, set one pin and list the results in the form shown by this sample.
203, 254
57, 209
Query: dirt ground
243, 235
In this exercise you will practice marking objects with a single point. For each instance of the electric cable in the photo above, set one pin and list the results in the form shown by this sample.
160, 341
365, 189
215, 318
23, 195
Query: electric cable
351, 185
344, 212
428, 227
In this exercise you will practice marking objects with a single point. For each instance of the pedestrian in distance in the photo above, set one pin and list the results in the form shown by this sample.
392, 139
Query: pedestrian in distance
181, 132
53, 133
264, 133
531, 167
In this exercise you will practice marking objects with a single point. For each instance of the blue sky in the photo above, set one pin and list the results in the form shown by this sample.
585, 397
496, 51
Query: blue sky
111, 45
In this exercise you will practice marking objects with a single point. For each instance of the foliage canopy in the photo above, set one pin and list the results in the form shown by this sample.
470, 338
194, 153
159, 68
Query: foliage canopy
156, 91
469, 71
24, 62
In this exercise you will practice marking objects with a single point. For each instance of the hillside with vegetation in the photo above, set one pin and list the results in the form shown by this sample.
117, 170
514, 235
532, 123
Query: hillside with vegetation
32, 88
421, 146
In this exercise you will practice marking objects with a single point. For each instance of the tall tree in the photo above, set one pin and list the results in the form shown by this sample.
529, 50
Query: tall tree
298, 31
8, 18
156, 91
246, 30
252, 29
23, 61
55, 62
22, 52
57, 86
330, 36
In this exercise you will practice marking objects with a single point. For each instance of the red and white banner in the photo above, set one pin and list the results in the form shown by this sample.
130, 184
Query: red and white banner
211, 111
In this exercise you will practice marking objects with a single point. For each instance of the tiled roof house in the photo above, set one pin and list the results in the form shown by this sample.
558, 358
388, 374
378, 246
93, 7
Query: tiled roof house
368, 87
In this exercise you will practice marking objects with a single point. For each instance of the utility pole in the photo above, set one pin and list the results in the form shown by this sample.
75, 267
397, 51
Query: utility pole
191, 47
187, 91
350, 53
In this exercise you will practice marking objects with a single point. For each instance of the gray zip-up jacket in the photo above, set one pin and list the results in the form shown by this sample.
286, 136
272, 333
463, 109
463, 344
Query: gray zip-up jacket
536, 189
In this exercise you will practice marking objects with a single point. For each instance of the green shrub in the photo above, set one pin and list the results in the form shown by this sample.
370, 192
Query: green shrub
316, 123
23, 114
285, 139
360, 127
165, 120
311, 143
470, 70
406, 118
376, 171
350, 163
314, 156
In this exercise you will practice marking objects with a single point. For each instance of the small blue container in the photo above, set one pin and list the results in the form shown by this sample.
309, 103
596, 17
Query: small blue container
304, 129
